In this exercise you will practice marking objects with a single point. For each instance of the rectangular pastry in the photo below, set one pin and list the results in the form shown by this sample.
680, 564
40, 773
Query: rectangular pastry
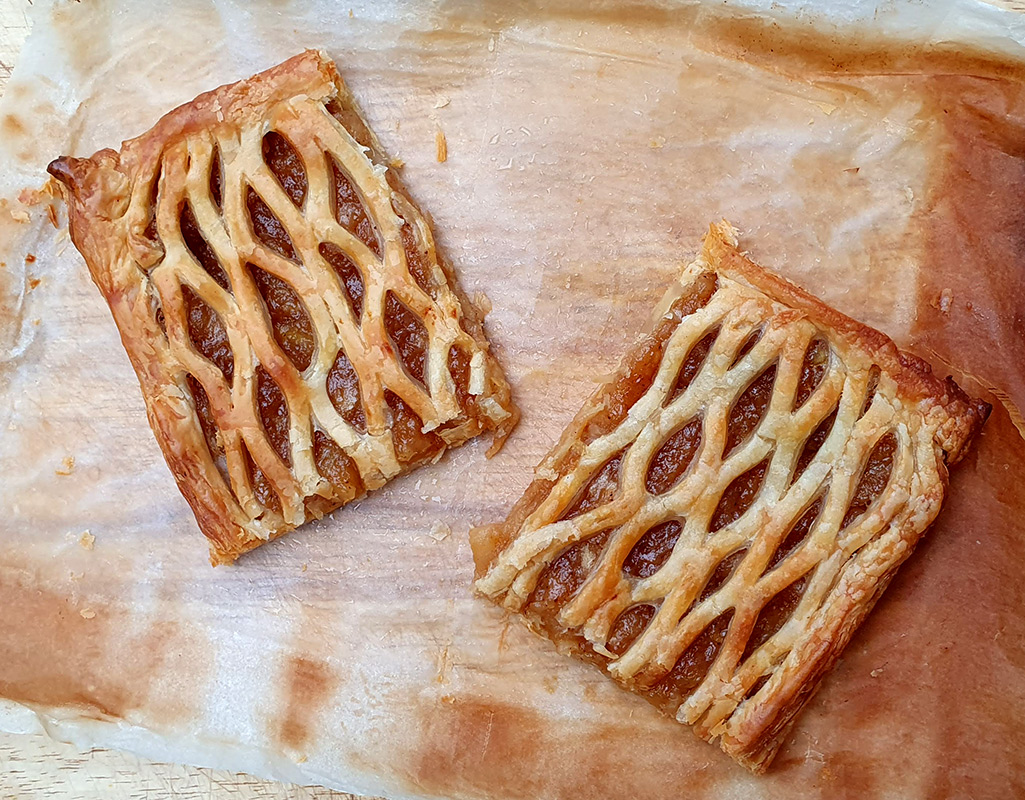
720, 517
296, 335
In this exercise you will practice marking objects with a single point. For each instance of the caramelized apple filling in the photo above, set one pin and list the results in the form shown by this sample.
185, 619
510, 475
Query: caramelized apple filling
200, 249
628, 626
459, 367
722, 572
693, 664
652, 550
409, 336
695, 358
813, 444
416, 261
774, 615
797, 534
671, 460
738, 497
208, 334
874, 477
268, 228
216, 178
286, 165
265, 494
343, 389
348, 275
749, 410
209, 426
600, 489
813, 370
336, 466
350, 211
565, 575
289, 321
412, 445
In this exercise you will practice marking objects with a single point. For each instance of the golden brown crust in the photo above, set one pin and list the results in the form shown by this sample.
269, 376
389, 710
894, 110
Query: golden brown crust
730, 626
601, 413
125, 212
963, 415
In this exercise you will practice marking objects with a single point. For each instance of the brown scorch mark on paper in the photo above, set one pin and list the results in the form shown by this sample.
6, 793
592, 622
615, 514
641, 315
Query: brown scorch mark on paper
308, 683
974, 232
12, 126
473, 737
476, 746
58, 653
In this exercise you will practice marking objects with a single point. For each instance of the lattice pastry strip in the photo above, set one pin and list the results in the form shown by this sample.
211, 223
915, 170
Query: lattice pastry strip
718, 519
297, 338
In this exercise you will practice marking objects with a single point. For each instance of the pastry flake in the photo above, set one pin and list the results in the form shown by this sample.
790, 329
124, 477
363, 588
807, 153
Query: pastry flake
297, 338
720, 517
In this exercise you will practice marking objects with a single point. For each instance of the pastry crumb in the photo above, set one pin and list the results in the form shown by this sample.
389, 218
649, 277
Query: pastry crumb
67, 466
481, 302
87, 613
441, 102
305, 567
30, 258
33, 282
34, 197
814, 755
440, 531
87, 540
657, 143
475, 386
546, 473
876, 672
442, 146
944, 300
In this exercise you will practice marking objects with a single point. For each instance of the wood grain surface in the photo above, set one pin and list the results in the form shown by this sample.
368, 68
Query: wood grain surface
37, 766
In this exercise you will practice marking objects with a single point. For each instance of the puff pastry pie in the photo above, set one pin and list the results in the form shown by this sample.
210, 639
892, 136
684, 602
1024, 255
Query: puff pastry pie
297, 338
720, 517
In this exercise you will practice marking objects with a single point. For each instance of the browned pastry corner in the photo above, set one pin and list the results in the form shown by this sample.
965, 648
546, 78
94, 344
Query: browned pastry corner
720, 517
296, 335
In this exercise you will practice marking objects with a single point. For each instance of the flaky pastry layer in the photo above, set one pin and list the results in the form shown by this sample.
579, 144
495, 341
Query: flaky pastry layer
720, 517
297, 338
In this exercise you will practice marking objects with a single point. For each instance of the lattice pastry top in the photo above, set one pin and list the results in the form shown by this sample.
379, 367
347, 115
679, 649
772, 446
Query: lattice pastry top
297, 338
720, 517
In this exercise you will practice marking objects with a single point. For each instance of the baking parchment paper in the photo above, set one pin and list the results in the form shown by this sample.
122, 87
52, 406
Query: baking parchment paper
872, 152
